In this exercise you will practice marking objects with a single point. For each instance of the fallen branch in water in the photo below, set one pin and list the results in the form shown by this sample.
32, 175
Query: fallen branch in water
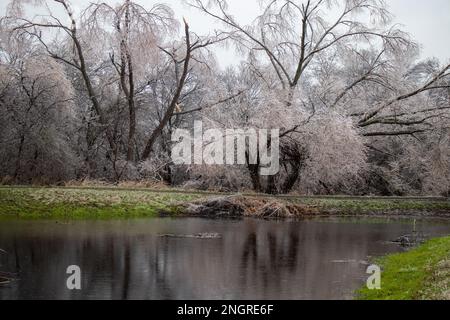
3, 251
194, 236
6, 278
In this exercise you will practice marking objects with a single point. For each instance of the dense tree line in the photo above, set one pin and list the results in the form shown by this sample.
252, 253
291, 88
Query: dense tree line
97, 94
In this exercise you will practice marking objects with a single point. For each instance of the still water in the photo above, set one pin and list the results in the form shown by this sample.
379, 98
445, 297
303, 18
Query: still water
254, 259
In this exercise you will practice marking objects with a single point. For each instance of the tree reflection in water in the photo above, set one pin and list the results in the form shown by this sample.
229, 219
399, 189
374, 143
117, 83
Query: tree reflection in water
255, 259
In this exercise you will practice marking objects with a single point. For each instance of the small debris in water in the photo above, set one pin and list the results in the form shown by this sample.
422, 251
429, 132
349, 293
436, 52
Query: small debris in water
410, 240
193, 236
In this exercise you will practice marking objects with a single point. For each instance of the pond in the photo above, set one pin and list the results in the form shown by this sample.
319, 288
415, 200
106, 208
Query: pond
252, 259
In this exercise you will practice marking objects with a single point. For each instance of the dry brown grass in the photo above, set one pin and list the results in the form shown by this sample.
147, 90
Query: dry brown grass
440, 283
149, 184
274, 208
7, 181
87, 183
143, 184
249, 207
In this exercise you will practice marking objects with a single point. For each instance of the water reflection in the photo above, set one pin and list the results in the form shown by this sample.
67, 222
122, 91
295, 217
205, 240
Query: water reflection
255, 259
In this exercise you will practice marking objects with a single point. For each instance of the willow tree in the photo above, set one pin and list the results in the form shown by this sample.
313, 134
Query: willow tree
295, 40
130, 30
37, 121
137, 34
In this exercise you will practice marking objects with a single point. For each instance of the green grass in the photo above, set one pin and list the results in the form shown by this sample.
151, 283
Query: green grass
377, 205
420, 274
54, 203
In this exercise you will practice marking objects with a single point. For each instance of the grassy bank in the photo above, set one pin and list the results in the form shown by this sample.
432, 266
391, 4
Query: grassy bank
420, 274
57, 203
102, 203
394, 206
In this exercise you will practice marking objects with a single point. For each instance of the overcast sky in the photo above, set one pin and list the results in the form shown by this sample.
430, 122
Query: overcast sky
428, 21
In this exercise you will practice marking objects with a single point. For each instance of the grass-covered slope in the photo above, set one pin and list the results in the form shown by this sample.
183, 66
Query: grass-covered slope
420, 274
55, 203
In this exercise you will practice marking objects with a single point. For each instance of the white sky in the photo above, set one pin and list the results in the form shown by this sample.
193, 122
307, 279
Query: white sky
428, 21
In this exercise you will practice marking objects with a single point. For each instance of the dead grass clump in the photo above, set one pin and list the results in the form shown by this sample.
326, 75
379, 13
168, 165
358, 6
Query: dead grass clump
87, 183
7, 181
144, 184
271, 208
248, 207
41, 181
128, 184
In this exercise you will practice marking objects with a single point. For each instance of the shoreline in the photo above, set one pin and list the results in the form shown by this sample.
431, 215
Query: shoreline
422, 273
122, 203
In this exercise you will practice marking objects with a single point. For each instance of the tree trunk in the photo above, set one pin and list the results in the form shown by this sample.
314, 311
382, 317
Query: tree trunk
253, 170
128, 88
291, 180
19, 157
271, 187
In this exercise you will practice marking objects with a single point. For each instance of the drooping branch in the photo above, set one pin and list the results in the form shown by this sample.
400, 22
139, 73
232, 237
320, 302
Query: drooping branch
366, 121
314, 37
361, 79
79, 61
227, 19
